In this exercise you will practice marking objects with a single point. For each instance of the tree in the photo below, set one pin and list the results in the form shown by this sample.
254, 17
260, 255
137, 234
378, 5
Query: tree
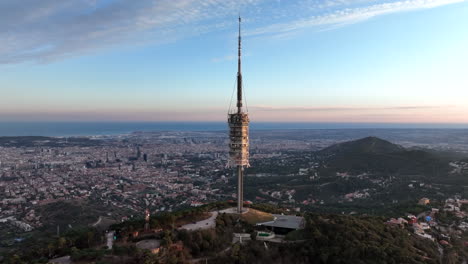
167, 239
51, 249
89, 236
61, 242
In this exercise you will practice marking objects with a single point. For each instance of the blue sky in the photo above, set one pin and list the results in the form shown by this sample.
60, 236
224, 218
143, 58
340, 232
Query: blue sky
304, 60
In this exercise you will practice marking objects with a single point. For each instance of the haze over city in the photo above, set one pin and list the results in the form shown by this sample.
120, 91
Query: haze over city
304, 61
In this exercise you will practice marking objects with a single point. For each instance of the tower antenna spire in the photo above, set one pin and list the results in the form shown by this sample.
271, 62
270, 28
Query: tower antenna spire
239, 71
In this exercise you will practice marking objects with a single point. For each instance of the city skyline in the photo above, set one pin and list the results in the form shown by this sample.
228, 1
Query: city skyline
306, 61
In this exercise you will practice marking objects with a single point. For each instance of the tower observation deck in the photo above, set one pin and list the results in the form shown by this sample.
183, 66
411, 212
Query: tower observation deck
238, 121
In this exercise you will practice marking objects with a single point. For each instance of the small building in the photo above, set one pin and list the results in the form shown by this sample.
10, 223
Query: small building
283, 224
412, 219
196, 204
399, 222
444, 242
424, 201
424, 226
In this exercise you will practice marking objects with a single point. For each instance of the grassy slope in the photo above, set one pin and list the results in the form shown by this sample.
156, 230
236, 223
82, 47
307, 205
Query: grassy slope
254, 216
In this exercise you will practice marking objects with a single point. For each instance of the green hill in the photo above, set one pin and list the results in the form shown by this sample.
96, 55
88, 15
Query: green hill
372, 154
365, 145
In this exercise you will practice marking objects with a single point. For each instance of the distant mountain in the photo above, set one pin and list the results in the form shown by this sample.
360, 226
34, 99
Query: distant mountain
39, 141
365, 145
372, 154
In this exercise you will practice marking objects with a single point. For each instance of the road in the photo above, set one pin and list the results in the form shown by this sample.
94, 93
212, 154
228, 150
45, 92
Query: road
204, 224
98, 221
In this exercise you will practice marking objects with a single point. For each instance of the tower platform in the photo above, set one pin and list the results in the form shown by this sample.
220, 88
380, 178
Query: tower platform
233, 210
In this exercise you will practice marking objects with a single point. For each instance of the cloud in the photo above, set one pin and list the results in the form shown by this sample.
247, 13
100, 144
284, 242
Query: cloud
415, 114
398, 114
48, 30
347, 15
343, 109
111, 115
224, 58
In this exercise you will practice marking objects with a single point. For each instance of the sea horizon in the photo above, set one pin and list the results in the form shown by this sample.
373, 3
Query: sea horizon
61, 129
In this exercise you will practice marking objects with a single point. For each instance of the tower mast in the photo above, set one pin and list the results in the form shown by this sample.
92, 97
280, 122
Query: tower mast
239, 134
239, 72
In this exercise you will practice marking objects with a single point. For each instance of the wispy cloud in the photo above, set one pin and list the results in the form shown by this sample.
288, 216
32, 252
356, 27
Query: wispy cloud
342, 109
348, 15
48, 30
415, 113
409, 113
52, 29
224, 58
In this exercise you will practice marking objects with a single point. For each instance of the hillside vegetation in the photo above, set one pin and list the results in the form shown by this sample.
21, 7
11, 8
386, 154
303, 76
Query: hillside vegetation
378, 155
339, 239
327, 238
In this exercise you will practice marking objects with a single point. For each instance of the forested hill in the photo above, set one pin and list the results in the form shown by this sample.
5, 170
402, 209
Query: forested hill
372, 154
364, 145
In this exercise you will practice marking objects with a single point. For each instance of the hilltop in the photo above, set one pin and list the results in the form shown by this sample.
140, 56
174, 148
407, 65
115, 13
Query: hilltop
365, 145
326, 238
372, 154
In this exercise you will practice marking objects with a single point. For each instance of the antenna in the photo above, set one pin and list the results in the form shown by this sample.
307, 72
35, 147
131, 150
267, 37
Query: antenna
239, 72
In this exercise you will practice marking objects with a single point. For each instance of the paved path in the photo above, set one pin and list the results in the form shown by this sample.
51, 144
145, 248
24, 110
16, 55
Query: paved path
98, 221
61, 260
233, 210
204, 224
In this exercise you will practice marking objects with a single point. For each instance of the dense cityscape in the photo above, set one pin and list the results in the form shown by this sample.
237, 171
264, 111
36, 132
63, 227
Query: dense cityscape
164, 171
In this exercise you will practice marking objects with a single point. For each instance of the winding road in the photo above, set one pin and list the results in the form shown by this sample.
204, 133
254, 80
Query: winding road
204, 224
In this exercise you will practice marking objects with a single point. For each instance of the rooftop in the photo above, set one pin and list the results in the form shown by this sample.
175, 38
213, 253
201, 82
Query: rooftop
285, 221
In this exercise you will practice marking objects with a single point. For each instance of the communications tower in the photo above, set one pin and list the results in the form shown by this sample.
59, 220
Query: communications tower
238, 121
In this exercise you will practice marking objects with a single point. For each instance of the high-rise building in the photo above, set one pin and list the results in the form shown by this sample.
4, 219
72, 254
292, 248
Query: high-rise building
238, 121
138, 152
